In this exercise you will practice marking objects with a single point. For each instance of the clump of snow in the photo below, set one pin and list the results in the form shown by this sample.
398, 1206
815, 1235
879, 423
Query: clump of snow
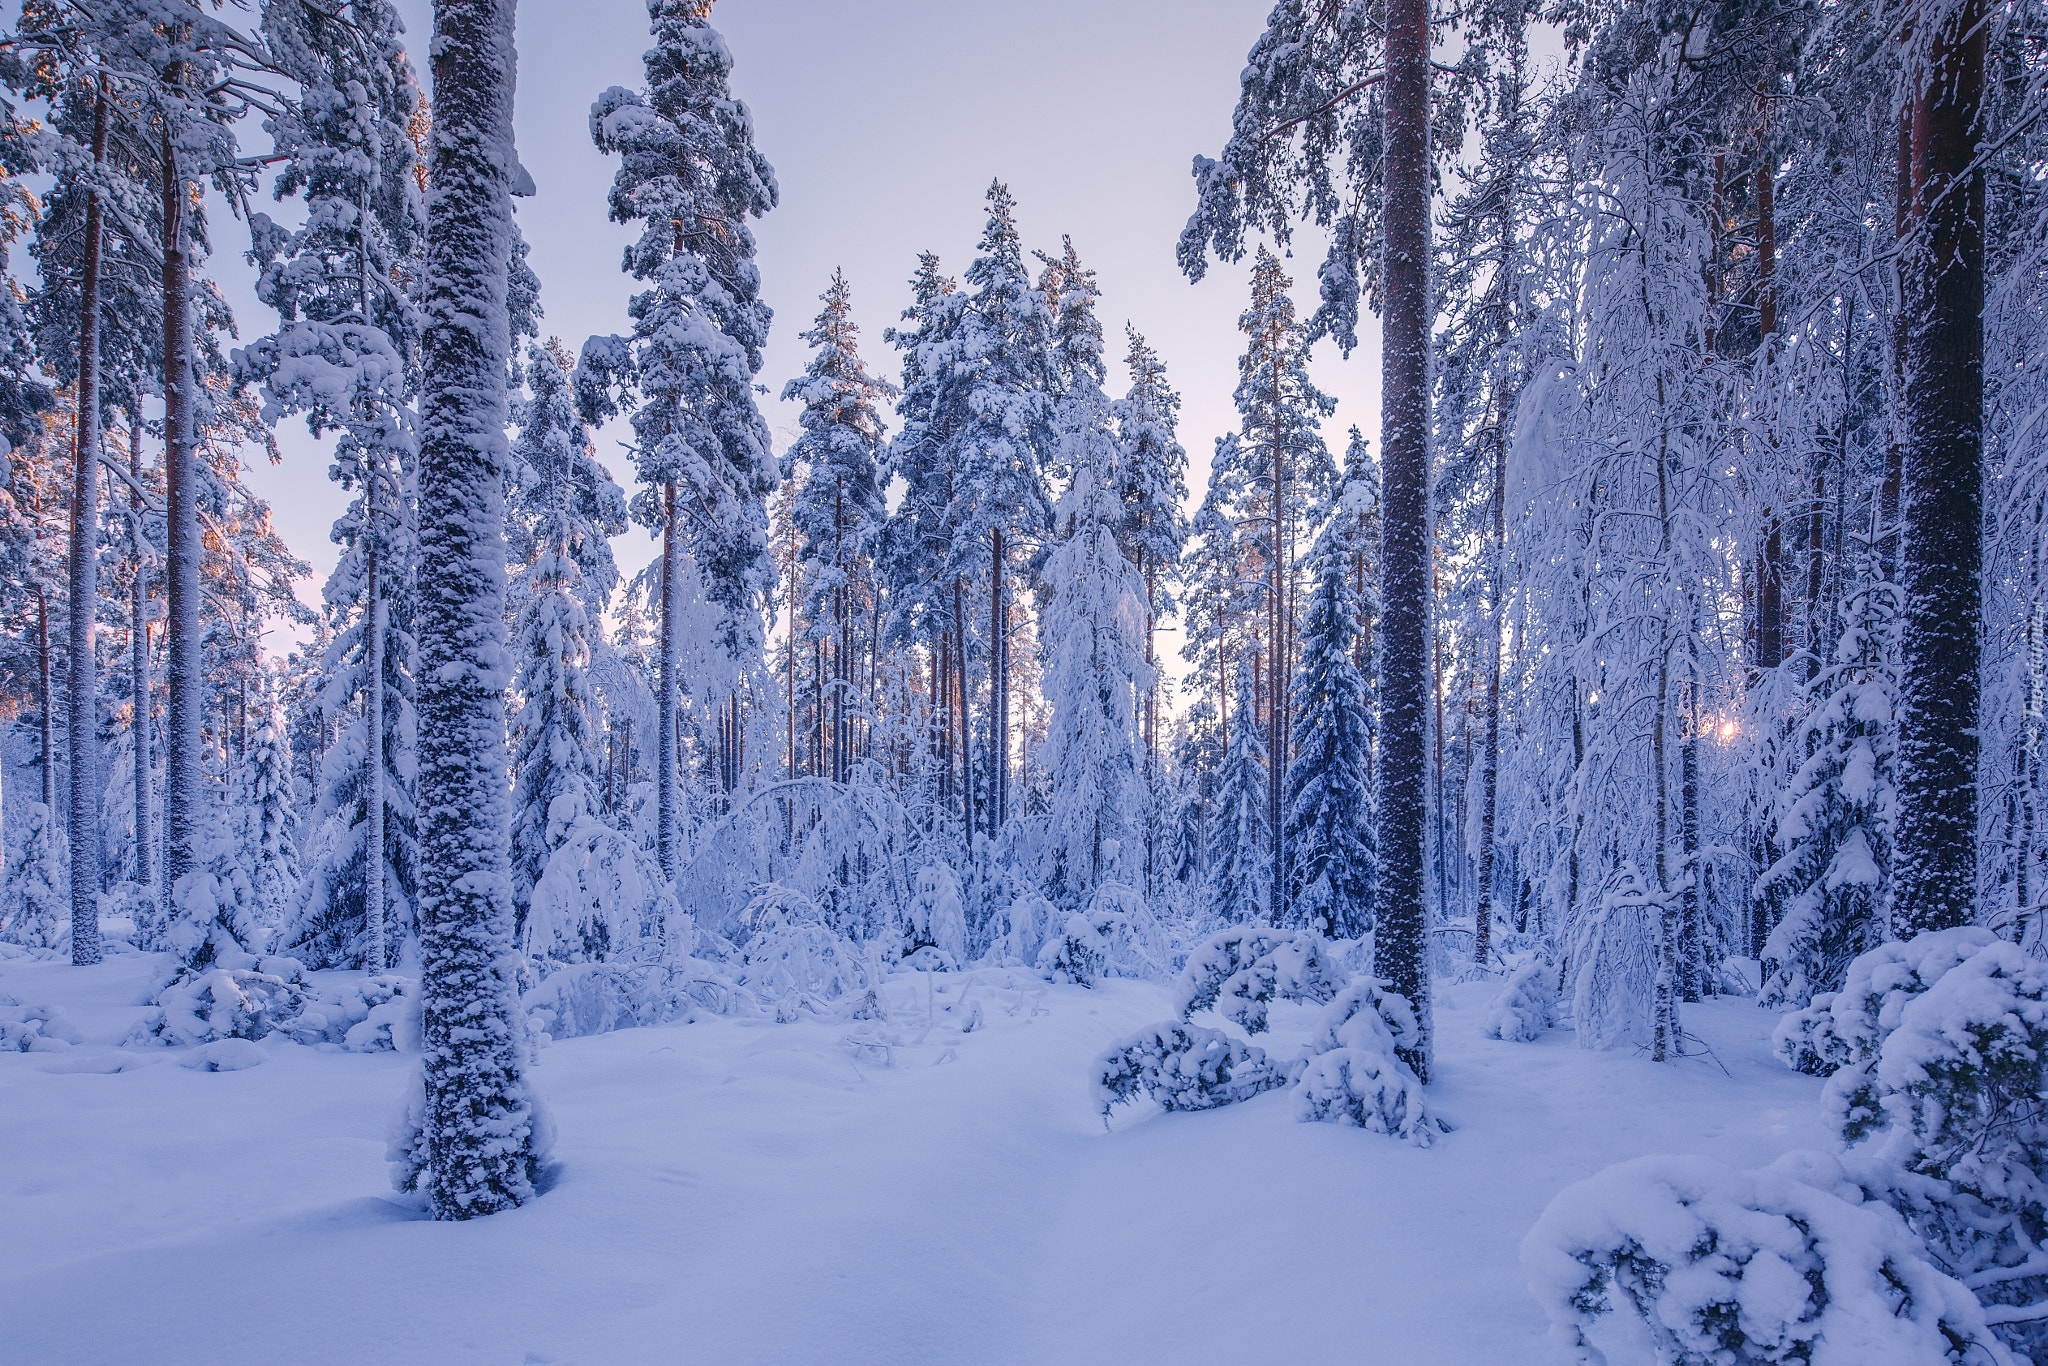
363, 1015
1354, 1072
1725, 1266
224, 1055
1526, 1006
1183, 1067
1241, 971
35, 1029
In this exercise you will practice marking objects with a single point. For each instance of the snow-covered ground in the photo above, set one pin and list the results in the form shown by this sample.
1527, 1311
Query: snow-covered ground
899, 1190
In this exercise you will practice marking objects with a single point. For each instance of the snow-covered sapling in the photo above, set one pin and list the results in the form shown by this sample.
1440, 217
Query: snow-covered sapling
1183, 1067
1241, 971
1721, 1267
1357, 1072
1526, 1006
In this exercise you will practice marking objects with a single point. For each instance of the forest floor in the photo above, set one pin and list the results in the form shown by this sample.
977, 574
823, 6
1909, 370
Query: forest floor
892, 1191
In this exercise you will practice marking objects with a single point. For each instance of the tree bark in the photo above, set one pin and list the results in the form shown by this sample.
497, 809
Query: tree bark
1401, 944
49, 700
373, 760
138, 668
184, 799
479, 1125
1935, 858
83, 692
665, 682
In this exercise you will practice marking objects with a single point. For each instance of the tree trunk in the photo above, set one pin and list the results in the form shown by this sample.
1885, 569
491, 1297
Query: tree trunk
665, 683
184, 799
1401, 944
479, 1125
138, 669
373, 761
1489, 762
1934, 871
83, 713
966, 734
1276, 654
999, 691
49, 702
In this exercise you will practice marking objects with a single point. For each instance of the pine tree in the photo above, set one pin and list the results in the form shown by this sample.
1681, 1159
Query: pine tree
1096, 672
32, 897
1241, 838
1831, 885
1329, 799
836, 511
478, 1138
689, 170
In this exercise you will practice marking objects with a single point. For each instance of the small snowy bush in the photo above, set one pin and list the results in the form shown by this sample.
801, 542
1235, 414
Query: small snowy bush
935, 916
1614, 961
1076, 955
1526, 1006
35, 1029
1806, 1041
599, 895
240, 997
1721, 1267
1241, 971
793, 959
597, 998
1355, 1073
1183, 1067
363, 1015
32, 907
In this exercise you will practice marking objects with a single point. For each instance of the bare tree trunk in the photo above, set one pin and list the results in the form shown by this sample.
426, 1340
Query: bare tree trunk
999, 690
667, 682
83, 713
184, 801
138, 668
967, 811
1489, 763
1935, 858
373, 761
49, 702
1400, 946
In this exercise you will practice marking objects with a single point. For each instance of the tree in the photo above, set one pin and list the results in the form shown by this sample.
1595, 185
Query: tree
1836, 826
1941, 278
478, 1138
1329, 801
570, 508
836, 510
267, 820
1240, 852
689, 170
1095, 627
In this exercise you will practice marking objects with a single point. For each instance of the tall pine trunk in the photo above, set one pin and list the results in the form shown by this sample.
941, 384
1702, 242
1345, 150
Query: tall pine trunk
138, 668
373, 761
49, 701
1934, 870
1401, 941
666, 683
83, 713
479, 1123
184, 801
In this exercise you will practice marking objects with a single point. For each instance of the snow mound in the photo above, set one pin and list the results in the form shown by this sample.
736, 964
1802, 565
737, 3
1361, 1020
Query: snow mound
1183, 1067
1727, 1266
225, 1055
1526, 1006
364, 1015
597, 998
1240, 972
35, 1029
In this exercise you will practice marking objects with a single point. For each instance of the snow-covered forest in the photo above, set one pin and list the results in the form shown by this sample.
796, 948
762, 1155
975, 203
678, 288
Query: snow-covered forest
1600, 800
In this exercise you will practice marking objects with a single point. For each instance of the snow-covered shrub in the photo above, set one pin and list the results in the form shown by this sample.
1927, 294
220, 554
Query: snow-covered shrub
793, 960
1721, 1267
1018, 931
1183, 1067
1241, 971
124, 909
225, 1055
363, 1015
1526, 1006
35, 1029
238, 997
1614, 964
1355, 1072
599, 895
32, 905
1806, 1041
1880, 983
597, 998
1958, 1098
214, 913
1077, 954
935, 917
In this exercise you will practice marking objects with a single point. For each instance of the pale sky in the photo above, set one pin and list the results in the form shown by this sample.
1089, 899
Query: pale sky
885, 121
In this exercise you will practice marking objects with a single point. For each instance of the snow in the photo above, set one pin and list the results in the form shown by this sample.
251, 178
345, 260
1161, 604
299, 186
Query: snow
893, 1189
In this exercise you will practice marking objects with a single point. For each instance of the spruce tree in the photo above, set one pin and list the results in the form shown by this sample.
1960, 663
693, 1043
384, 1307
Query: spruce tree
267, 820
1241, 836
1330, 864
